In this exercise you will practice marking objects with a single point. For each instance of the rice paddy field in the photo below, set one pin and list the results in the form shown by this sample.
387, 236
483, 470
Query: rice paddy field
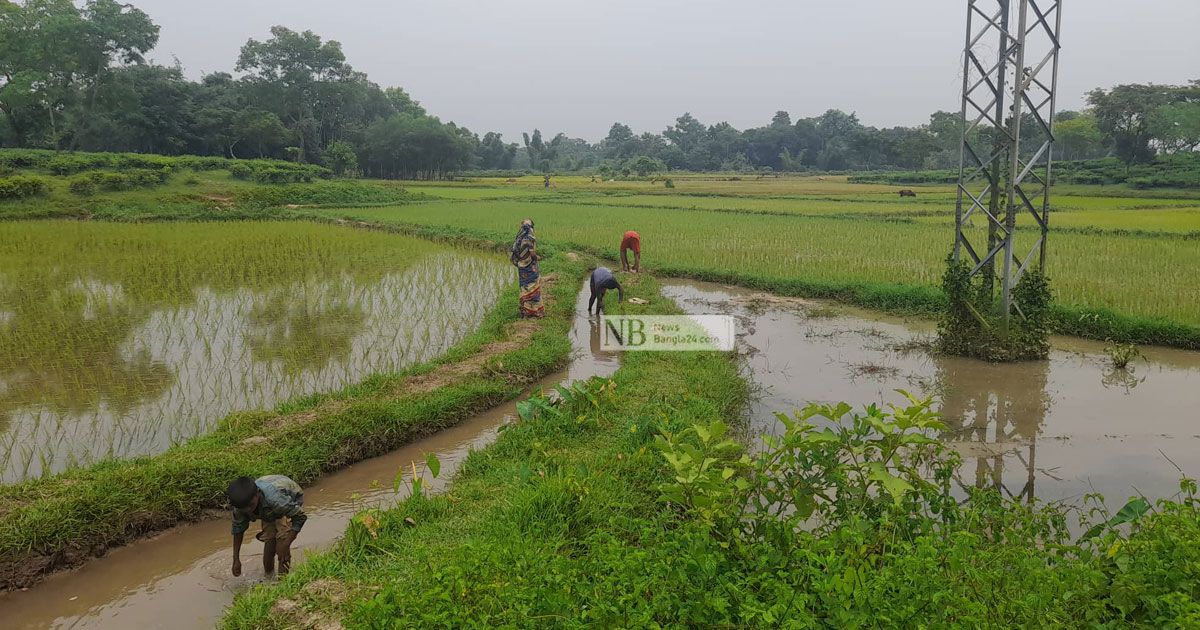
1116, 249
123, 339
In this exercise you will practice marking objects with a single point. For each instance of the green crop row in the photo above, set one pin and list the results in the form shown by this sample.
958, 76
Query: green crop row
873, 263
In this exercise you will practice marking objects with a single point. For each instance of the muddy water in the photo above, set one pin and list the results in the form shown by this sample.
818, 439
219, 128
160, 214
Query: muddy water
1055, 429
181, 579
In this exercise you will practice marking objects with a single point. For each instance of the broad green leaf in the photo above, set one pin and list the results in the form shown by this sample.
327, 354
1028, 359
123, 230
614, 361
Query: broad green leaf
434, 464
1130, 512
895, 486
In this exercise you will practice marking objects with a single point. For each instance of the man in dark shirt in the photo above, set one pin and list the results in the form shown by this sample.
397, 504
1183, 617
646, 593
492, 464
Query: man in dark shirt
602, 281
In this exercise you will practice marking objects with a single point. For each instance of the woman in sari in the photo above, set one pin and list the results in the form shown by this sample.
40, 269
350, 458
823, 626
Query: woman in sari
524, 256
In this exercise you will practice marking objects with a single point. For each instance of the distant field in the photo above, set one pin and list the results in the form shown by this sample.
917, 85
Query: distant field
1147, 277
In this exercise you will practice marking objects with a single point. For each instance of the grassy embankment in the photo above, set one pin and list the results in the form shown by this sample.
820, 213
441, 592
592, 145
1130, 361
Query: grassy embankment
134, 187
50, 523
574, 518
862, 251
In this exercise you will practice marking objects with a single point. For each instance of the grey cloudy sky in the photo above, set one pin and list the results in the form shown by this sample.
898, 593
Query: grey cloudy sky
577, 66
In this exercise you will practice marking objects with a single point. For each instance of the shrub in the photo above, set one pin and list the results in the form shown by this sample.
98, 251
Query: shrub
239, 170
321, 193
970, 325
22, 187
83, 186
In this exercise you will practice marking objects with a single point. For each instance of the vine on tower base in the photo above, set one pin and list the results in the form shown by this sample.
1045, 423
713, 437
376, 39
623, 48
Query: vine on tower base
974, 326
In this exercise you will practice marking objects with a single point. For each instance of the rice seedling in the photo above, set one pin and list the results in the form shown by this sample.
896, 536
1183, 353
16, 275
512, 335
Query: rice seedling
122, 340
1132, 276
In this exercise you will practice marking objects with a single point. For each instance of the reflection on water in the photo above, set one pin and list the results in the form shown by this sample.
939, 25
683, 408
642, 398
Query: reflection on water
1055, 429
995, 413
180, 578
88, 371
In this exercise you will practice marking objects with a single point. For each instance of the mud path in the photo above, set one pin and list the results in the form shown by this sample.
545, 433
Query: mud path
180, 578
1055, 429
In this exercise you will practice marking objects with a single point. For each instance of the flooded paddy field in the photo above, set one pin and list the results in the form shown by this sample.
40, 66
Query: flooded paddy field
1055, 429
180, 578
121, 340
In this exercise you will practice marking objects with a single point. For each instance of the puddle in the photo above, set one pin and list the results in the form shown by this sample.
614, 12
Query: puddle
1055, 429
181, 577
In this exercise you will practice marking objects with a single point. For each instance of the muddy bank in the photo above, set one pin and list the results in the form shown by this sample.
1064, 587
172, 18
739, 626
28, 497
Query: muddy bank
181, 577
1055, 429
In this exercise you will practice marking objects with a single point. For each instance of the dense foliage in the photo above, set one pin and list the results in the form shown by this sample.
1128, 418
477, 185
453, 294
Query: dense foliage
971, 326
1179, 170
76, 78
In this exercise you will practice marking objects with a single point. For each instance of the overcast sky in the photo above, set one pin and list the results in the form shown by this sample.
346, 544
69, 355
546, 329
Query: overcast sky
577, 66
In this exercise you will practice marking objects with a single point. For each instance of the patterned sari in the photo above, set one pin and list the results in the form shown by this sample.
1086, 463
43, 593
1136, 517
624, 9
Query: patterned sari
524, 256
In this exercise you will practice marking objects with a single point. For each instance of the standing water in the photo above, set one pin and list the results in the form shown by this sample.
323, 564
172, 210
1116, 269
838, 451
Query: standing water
1055, 429
121, 340
180, 578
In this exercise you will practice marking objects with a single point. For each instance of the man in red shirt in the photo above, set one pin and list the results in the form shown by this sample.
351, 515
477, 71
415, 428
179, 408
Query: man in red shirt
631, 241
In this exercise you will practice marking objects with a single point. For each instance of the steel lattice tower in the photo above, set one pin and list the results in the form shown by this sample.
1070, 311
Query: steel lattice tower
1010, 74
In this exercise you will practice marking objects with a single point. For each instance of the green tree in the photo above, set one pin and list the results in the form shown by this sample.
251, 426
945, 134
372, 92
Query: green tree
341, 158
55, 58
1176, 126
262, 130
403, 103
1124, 115
644, 165
1078, 137
494, 153
305, 82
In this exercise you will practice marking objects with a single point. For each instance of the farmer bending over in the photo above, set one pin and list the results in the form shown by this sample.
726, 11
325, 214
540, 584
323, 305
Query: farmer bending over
274, 500
602, 281
632, 240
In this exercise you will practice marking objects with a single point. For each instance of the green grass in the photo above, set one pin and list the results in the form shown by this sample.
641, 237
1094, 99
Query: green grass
1132, 287
57, 521
529, 502
211, 195
563, 522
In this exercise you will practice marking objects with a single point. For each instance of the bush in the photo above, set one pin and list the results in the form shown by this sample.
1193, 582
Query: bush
323, 193
83, 186
241, 171
22, 187
971, 326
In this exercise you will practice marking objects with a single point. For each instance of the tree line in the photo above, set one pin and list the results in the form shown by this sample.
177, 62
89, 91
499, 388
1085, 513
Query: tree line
75, 77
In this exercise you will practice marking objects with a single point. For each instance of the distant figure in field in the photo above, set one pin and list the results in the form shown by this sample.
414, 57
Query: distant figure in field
275, 500
524, 256
602, 281
631, 240
546, 181
907, 193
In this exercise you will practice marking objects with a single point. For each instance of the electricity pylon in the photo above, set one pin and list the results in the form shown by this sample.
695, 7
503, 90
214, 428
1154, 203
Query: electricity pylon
1010, 74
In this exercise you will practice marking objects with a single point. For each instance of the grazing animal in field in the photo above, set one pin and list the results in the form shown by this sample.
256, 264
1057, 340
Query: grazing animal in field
907, 193
510, 181
820, 179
